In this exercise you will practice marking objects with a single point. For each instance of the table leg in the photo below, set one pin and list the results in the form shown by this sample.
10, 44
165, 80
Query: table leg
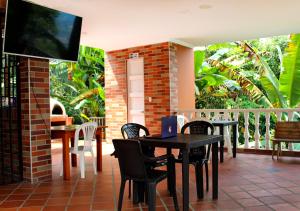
222, 144
66, 157
185, 179
99, 150
169, 169
234, 137
73, 156
215, 170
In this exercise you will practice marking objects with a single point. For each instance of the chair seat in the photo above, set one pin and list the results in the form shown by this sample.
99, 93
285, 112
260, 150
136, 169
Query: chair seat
156, 175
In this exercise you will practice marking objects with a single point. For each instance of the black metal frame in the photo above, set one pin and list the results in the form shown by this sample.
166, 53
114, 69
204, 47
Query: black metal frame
11, 163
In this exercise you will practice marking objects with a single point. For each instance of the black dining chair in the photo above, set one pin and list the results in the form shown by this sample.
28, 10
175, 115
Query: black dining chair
134, 131
133, 166
198, 156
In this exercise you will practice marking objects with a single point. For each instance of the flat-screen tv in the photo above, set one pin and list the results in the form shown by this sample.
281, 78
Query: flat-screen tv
36, 31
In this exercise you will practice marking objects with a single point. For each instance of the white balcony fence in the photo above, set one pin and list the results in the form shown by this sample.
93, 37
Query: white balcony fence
256, 121
99, 120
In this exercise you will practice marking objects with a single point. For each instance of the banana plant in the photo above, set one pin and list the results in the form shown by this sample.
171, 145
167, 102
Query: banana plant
79, 86
290, 76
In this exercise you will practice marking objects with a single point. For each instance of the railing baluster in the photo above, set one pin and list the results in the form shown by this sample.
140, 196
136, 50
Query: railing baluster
236, 118
279, 115
256, 133
290, 118
267, 136
246, 132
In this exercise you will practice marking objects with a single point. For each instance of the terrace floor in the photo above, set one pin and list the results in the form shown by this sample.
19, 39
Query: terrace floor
249, 182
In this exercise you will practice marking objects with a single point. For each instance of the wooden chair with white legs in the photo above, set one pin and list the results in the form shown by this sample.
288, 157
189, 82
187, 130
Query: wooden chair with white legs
88, 130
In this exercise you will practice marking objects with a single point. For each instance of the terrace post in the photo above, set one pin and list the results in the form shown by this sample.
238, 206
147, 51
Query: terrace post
35, 119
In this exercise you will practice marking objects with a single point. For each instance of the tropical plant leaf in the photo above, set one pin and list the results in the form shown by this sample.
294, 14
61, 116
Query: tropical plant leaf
290, 76
199, 57
217, 46
85, 95
80, 104
246, 85
267, 78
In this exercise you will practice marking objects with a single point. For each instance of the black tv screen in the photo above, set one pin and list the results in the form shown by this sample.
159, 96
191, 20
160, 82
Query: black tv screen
36, 31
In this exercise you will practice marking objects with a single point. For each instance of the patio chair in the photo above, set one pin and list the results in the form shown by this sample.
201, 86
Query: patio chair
133, 166
198, 156
133, 131
88, 130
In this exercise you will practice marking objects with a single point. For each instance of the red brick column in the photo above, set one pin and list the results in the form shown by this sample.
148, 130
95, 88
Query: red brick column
157, 86
35, 112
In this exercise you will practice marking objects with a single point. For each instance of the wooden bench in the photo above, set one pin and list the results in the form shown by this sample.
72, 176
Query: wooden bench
287, 132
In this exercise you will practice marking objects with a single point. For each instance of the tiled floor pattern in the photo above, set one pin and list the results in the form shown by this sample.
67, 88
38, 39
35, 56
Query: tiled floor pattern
249, 182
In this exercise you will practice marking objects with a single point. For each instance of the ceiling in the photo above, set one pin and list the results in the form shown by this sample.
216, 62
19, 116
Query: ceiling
118, 24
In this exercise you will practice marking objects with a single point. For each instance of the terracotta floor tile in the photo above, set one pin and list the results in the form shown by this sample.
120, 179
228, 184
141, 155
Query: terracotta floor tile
8, 209
10, 204
103, 206
285, 207
258, 208
57, 201
80, 200
204, 206
291, 197
260, 193
33, 208
34, 202
227, 205
250, 202
240, 195
54, 208
39, 196
17, 197
269, 200
78, 208
279, 191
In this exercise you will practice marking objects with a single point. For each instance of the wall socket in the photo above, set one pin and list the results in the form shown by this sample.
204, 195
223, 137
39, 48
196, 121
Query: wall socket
133, 55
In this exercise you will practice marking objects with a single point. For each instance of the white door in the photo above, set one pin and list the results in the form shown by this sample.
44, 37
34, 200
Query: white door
135, 87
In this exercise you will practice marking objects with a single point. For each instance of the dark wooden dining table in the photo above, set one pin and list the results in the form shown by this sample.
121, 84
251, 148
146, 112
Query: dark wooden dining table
186, 142
66, 133
222, 124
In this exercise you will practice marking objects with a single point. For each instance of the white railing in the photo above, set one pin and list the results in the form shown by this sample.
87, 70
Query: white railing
100, 120
235, 114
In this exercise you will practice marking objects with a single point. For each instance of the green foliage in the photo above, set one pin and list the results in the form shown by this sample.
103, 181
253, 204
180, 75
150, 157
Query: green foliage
80, 86
290, 76
263, 77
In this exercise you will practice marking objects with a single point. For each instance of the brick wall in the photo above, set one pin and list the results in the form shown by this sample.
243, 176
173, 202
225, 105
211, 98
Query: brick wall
34, 79
159, 64
173, 78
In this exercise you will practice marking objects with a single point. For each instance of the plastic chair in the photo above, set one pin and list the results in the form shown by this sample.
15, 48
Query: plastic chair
133, 166
88, 130
198, 156
134, 131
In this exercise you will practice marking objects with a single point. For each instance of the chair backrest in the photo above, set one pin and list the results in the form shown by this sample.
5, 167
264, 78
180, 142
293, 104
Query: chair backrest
88, 130
199, 127
288, 130
133, 131
131, 159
